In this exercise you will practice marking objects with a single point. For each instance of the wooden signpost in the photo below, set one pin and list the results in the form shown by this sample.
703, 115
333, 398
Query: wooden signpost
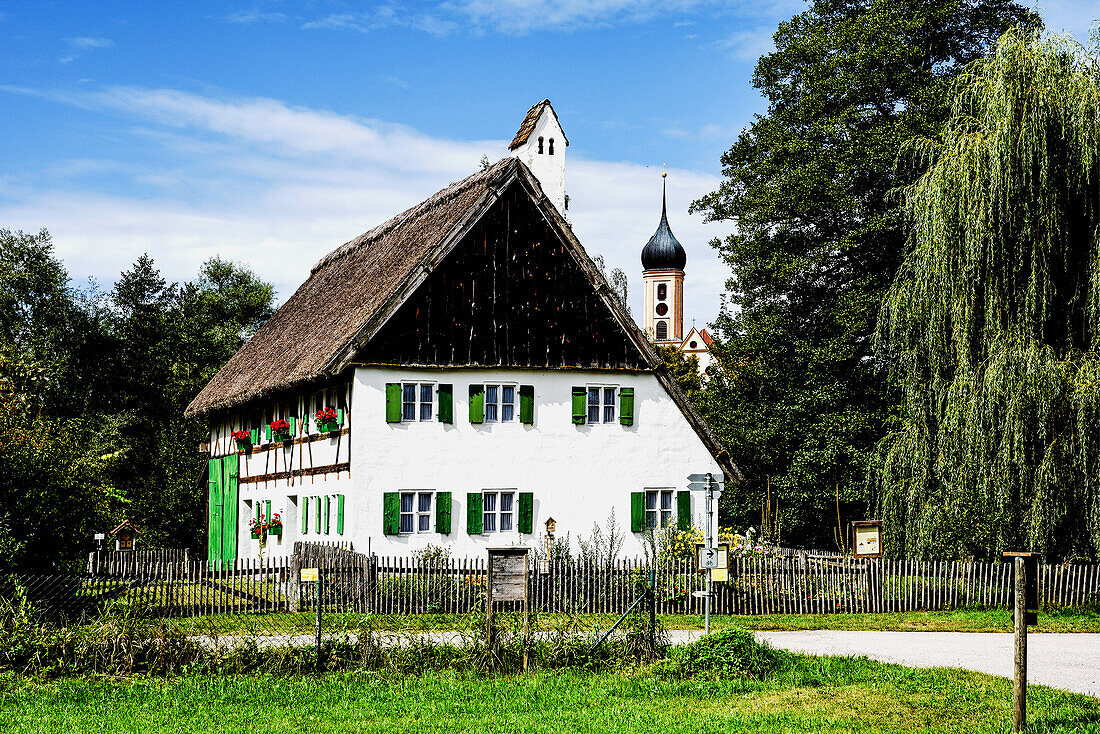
508, 573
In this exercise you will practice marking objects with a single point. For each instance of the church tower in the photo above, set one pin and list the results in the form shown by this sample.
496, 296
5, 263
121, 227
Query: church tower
540, 144
663, 260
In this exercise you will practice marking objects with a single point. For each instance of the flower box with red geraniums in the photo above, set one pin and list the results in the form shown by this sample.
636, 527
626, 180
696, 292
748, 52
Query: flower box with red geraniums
244, 439
280, 430
261, 526
329, 419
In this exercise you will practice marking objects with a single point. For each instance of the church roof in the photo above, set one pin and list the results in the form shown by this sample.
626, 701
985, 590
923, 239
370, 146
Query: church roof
663, 251
528, 125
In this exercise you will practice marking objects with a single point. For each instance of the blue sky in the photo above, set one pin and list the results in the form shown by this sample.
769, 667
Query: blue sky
271, 132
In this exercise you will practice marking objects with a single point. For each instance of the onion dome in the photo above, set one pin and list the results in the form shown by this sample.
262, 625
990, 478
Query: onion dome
663, 251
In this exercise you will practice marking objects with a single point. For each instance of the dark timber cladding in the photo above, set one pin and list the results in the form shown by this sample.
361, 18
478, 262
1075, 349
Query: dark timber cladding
509, 294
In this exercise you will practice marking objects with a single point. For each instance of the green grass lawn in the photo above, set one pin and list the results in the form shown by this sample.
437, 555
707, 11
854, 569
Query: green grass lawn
813, 695
961, 620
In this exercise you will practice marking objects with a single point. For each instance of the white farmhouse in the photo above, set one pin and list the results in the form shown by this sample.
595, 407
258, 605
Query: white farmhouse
482, 378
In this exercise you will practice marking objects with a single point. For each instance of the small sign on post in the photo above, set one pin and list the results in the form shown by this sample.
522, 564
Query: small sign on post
509, 569
866, 538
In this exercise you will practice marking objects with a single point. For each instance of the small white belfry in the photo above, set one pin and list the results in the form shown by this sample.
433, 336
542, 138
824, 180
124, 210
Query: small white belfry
540, 143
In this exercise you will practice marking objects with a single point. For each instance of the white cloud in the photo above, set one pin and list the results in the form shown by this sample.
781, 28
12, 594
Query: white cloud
277, 187
81, 44
255, 15
750, 44
384, 16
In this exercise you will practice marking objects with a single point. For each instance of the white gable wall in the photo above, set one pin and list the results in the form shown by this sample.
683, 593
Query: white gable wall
549, 169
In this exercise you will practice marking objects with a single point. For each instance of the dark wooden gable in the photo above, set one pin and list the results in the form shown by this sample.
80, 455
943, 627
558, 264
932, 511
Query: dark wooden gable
508, 295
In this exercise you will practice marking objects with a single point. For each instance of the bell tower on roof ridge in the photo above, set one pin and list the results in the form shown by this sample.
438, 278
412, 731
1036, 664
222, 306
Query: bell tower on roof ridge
540, 143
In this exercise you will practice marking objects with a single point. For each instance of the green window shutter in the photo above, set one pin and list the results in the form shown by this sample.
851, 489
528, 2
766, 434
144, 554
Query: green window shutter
443, 512
527, 404
303, 502
474, 509
580, 404
446, 411
526, 512
477, 404
317, 515
339, 514
340, 417
626, 406
393, 402
267, 510
683, 510
391, 513
293, 426
255, 434
328, 512
268, 433
637, 512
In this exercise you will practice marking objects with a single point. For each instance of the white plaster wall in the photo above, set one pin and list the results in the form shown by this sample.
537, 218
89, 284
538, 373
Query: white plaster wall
578, 474
548, 169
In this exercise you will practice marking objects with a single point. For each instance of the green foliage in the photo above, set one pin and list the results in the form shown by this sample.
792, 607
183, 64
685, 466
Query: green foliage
92, 390
732, 652
684, 368
800, 397
991, 326
54, 483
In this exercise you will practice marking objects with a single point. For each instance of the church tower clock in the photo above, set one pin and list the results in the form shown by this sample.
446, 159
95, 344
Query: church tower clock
663, 260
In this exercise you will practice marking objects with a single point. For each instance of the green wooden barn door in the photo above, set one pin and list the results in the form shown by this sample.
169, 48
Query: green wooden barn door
222, 518
230, 495
214, 516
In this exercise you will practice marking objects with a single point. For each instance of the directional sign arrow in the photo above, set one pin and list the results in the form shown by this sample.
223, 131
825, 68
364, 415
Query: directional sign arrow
702, 594
697, 477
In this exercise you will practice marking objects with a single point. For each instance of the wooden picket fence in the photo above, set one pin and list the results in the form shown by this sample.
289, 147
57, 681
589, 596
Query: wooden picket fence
354, 582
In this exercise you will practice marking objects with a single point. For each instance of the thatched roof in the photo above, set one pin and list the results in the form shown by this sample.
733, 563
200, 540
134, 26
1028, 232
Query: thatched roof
354, 290
528, 125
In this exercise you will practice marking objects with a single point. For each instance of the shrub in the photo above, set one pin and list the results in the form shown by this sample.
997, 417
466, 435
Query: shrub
729, 653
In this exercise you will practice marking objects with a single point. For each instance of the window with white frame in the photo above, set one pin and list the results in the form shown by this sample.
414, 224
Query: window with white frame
601, 404
498, 511
658, 508
416, 512
500, 403
416, 401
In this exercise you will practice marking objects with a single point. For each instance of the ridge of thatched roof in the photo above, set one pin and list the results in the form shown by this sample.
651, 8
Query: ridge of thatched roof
353, 291
528, 125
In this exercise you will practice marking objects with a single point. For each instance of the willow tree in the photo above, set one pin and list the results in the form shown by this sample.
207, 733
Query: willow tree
991, 326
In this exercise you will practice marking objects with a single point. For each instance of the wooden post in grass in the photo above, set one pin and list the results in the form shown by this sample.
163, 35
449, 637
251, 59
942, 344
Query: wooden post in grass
1019, 693
1025, 605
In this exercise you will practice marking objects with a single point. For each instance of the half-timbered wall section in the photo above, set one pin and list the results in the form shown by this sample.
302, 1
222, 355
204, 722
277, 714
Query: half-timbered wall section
279, 475
508, 295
